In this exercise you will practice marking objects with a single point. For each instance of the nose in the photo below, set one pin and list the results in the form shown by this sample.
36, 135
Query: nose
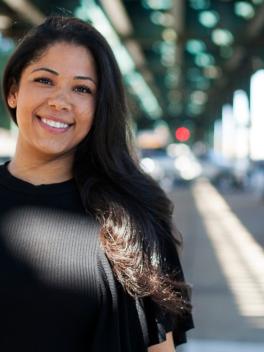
60, 101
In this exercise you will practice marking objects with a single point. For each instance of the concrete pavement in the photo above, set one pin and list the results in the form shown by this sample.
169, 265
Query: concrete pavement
222, 312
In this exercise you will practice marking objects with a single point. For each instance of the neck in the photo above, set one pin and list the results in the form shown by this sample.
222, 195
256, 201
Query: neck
41, 169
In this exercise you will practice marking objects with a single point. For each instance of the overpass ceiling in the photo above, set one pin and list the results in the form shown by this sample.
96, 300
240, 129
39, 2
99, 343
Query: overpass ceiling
192, 53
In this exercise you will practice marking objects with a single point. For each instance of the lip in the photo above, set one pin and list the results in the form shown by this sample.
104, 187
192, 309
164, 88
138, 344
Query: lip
54, 118
51, 129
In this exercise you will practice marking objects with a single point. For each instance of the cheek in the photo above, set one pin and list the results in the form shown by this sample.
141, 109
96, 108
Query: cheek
86, 116
23, 115
25, 104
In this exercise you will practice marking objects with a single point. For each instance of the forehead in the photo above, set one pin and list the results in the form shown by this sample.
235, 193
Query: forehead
67, 58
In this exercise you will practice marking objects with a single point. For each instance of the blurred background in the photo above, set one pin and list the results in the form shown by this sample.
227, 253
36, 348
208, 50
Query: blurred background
194, 75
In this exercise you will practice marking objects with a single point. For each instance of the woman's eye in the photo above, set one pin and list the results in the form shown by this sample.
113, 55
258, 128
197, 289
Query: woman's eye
83, 89
43, 80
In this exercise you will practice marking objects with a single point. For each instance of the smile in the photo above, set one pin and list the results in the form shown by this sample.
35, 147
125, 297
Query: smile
53, 126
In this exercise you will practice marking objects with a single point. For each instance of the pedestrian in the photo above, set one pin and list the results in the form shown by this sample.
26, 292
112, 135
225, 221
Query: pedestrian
88, 258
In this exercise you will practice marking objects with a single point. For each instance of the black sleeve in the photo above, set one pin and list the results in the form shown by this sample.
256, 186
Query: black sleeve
157, 322
136, 323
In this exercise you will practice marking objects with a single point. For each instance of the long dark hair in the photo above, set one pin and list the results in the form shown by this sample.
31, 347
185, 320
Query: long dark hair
134, 213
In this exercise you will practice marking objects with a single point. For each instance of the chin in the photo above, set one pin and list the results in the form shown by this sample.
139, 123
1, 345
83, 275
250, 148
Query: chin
55, 152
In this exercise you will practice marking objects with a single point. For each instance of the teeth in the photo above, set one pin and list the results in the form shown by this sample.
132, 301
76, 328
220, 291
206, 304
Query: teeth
54, 123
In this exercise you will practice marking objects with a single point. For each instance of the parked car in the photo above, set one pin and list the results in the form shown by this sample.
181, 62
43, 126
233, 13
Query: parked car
224, 173
256, 178
167, 169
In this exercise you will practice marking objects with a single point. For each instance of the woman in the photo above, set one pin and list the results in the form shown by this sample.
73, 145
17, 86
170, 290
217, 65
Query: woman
89, 262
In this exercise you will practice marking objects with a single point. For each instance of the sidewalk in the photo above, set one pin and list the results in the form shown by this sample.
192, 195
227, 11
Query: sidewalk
218, 313
220, 346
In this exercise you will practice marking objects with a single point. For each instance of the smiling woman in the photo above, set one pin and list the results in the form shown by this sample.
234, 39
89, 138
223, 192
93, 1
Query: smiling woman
54, 104
88, 257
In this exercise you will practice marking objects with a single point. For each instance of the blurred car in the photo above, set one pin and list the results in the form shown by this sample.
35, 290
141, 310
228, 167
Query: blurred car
188, 167
159, 165
256, 178
223, 173
167, 169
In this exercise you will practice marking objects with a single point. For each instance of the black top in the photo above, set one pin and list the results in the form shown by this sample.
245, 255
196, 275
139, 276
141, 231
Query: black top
57, 289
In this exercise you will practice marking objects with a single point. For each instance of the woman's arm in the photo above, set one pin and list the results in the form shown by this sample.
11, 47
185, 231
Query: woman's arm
166, 346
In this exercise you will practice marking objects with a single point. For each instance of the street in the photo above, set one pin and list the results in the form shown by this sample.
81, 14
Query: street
223, 259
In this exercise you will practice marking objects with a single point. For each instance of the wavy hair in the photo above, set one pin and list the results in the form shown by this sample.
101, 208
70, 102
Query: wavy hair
134, 213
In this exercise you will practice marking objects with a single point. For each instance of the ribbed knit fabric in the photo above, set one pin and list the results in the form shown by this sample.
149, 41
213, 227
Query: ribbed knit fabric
57, 290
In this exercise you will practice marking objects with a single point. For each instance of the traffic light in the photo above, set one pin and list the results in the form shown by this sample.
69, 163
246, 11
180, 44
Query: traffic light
182, 134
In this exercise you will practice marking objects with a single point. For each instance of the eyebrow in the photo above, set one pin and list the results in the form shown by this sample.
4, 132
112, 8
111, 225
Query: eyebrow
56, 73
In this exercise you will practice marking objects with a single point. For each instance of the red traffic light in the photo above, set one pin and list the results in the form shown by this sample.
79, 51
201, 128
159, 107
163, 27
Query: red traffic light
182, 134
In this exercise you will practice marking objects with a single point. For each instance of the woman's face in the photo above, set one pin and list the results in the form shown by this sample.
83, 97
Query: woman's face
55, 100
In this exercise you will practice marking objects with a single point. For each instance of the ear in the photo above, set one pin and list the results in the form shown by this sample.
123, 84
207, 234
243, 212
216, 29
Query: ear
12, 96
